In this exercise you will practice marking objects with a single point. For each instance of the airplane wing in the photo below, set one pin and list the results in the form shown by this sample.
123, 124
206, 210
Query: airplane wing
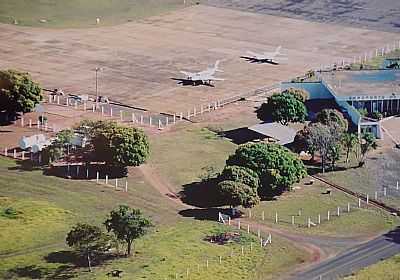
188, 74
216, 79
255, 55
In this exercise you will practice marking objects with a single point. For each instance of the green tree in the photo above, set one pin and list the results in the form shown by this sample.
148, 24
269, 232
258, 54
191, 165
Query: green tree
236, 193
331, 116
367, 143
363, 112
88, 240
349, 141
65, 137
18, 92
284, 107
276, 166
324, 139
127, 224
376, 115
240, 174
51, 153
115, 144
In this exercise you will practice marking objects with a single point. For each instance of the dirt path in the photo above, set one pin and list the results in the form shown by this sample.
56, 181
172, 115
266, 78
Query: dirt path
319, 248
161, 185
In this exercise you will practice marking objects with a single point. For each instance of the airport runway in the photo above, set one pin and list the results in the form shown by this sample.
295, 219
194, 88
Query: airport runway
371, 14
361, 256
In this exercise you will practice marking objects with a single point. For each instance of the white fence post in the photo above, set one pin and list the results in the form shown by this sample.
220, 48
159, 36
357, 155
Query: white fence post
15, 153
5, 151
97, 177
106, 179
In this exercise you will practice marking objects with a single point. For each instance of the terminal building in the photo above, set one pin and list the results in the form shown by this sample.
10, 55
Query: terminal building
369, 90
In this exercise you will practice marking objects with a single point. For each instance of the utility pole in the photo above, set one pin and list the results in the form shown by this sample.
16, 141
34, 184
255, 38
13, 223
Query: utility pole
97, 69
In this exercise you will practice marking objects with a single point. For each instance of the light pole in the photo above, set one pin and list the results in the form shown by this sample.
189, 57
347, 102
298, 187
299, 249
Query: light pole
97, 69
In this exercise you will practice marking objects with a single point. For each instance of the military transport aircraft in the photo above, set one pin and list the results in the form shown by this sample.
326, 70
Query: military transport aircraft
204, 77
266, 57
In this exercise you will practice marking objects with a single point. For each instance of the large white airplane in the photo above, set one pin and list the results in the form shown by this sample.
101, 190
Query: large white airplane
204, 77
266, 57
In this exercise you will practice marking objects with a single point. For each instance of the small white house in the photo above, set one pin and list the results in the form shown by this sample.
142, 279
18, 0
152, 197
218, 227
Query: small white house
27, 142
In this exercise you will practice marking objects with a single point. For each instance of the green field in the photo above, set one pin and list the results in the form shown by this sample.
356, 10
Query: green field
388, 270
191, 149
81, 13
32, 240
312, 201
182, 155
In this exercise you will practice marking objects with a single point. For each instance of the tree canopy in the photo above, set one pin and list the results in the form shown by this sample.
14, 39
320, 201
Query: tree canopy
367, 143
332, 116
236, 193
127, 224
240, 174
276, 166
284, 107
115, 144
88, 240
18, 92
325, 140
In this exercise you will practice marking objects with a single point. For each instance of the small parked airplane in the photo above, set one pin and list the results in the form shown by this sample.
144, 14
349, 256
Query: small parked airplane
204, 77
266, 57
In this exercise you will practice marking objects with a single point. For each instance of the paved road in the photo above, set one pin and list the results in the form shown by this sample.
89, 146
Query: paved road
359, 257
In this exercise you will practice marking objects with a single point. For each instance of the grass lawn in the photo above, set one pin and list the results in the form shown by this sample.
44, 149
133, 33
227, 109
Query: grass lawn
32, 240
32, 219
376, 62
311, 201
81, 13
388, 270
191, 149
381, 171
181, 156
171, 250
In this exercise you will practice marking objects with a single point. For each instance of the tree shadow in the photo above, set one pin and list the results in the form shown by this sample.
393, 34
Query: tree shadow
241, 135
31, 271
205, 214
393, 235
36, 272
65, 257
26, 165
203, 194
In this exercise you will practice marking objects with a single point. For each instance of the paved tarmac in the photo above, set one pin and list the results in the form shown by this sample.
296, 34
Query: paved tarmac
361, 256
371, 14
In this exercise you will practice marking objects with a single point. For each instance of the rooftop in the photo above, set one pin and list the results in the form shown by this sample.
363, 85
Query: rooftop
368, 84
283, 134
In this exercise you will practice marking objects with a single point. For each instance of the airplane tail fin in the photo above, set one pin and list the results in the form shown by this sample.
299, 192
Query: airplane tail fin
216, 66
278, 50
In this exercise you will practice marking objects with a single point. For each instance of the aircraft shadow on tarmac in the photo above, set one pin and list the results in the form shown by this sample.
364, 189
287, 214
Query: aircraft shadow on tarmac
186, 82
254, 60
